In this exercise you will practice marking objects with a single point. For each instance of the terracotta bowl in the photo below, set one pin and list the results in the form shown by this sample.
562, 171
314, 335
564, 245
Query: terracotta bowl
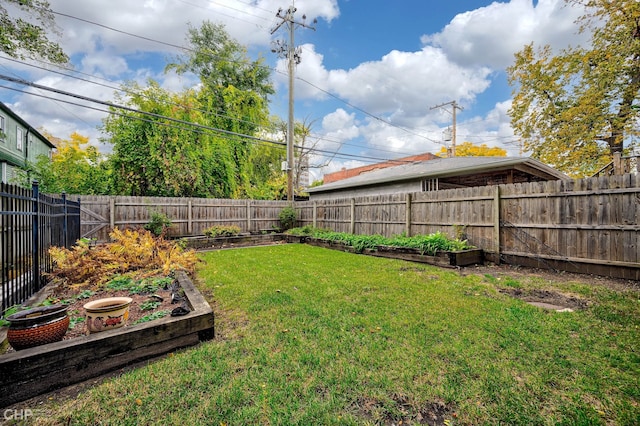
37, 326
107, 314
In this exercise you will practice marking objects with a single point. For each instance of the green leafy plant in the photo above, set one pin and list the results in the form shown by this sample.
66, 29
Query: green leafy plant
426, 244
158, 224
85, 294
144, 285
120, 283
149, 305
75, 320
288, 218
222, 231
9, 311
153, 316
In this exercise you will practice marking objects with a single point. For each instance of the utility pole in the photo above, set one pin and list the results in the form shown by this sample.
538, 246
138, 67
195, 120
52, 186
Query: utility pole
293, 55
455, 106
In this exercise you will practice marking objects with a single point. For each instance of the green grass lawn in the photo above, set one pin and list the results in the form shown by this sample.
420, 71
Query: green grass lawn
310, 336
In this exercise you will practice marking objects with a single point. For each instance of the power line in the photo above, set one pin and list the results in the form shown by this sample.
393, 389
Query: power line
124, 90
262, 66
366, 112
199, 127
375, 117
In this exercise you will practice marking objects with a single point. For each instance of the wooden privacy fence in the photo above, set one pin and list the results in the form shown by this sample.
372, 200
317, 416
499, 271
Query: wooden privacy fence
189, 216
588, 225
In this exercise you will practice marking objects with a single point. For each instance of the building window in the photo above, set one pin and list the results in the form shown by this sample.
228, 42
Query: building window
19, 138
2, 129
430, 185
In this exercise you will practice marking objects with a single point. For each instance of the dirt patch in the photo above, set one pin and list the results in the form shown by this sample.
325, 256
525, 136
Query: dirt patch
401, 411
522, 273
547, 299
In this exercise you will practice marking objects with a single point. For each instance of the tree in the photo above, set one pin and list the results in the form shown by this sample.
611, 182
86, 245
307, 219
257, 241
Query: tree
156, 156
468, 149
304, 147
75, 168
266, 179
221, 61
22, 39
574, 110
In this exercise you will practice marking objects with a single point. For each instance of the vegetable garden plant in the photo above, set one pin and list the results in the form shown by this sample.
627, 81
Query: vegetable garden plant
426, 244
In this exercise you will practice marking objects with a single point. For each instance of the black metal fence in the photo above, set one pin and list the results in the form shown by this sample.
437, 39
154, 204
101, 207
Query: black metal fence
31, 223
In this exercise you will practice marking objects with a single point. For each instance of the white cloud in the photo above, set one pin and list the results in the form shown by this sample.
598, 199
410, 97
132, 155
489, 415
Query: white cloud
106, 64
460, 63
491, 35
340, 125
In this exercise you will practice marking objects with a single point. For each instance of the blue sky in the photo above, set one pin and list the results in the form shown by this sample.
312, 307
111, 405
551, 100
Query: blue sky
385, 65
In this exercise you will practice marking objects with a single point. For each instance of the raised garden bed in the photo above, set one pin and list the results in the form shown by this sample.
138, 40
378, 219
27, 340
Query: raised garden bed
242, 240
31, 372
442, 258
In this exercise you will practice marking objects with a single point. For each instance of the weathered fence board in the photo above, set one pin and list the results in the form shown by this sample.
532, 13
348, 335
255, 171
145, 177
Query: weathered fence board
189, 216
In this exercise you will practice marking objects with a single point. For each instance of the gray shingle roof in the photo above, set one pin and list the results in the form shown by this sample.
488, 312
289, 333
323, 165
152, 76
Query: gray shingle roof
438, 168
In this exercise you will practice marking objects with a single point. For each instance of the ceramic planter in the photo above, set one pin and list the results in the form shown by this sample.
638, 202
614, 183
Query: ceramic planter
37, 326
107, 314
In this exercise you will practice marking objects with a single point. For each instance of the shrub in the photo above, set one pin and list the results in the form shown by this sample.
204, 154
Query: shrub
134, 253
222, 231
287, 218
158, 224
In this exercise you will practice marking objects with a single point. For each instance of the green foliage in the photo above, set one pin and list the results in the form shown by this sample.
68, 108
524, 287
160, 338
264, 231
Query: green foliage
220, 61
10, 311
153, 316
155, 159
426, 244
266, 180
76, 167
575, 108
141, 286
158, 224
75, 320
27, 38
149, 305
288, 218
222, 231
85, 294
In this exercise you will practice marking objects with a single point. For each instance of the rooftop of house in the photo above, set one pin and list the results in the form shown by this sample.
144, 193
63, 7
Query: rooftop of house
441, 168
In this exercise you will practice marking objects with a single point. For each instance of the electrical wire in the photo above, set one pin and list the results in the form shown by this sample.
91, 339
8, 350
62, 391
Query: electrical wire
159, 116
267, 67
375, 117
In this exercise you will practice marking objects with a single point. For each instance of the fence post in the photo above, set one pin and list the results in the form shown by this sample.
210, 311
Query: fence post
248, 215
35, 243
189, 217
65, 223
315, 214
407, 216
112, 212
496, 222
352, 225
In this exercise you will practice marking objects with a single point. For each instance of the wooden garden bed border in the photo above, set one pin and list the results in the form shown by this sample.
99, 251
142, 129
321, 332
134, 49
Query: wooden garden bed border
452, 259
34, 371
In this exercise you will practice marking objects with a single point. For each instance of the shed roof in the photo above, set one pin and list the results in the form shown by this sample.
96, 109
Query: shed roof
440, 168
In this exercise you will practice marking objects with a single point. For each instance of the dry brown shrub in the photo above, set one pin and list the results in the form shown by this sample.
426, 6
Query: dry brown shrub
136, 253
